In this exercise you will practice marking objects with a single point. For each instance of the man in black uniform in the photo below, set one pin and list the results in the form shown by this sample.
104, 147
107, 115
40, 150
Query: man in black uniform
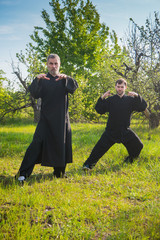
120, 108
51, 145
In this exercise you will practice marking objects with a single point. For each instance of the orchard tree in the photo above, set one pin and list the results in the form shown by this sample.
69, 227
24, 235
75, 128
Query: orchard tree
104, 77
8, 99
145, 50
3, 94
15, 97
143, 69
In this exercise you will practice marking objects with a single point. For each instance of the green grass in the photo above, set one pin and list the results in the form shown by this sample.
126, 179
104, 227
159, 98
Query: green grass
114, 201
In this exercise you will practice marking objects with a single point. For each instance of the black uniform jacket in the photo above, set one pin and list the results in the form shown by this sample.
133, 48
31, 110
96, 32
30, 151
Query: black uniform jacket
53, 129
120, 110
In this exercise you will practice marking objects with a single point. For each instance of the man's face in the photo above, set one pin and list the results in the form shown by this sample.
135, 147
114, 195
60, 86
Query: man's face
120, 89
53, 66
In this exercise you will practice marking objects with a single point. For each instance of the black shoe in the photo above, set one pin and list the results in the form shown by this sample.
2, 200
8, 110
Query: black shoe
59, 175
87, 167
64, 175
128, 160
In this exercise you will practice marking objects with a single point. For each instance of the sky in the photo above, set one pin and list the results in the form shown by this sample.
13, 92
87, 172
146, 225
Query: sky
18, 18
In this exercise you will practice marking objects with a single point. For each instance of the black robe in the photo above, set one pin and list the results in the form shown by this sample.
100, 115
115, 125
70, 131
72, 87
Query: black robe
53, 129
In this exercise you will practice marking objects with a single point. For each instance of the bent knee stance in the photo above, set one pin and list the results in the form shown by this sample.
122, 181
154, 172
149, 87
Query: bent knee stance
134, 147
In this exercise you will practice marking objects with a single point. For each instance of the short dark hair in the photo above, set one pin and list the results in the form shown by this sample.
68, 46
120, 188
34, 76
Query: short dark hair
53, 55
120, 81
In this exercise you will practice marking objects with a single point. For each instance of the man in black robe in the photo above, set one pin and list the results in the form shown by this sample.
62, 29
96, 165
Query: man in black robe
51, 145
120, 108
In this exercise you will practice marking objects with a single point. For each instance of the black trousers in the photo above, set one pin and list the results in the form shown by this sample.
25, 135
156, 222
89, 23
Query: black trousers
131, 141
30, 159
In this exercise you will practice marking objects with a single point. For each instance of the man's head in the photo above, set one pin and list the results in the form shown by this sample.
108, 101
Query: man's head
53, 64
120, 87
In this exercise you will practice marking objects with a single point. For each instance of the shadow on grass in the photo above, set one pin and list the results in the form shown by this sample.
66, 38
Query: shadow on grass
7, 181
97, 170
40, 178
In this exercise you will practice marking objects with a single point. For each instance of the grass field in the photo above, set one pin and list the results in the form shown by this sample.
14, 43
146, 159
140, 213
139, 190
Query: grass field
113, 201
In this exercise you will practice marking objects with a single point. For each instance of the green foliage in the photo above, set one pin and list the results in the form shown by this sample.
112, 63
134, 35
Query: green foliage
5, 98
12, 103
74, 32
103, 78
33, 63
114, 201
15, 97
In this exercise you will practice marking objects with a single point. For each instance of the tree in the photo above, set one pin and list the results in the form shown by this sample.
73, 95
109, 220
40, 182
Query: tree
143, 68
74, 32
10, 101
34, 66
2, 93
86, 48
104, 76
18, 98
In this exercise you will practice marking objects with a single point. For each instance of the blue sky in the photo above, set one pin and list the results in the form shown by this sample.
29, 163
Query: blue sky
18, 18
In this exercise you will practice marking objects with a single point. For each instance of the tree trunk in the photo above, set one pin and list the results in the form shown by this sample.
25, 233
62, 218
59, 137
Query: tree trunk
36, 115
153, 120
37, 110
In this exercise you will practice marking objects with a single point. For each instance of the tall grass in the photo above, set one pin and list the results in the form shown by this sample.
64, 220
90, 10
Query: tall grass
113, 201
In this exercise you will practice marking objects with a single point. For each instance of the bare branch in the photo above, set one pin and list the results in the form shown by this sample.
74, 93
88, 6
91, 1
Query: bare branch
16, 71
16, 109
119, 73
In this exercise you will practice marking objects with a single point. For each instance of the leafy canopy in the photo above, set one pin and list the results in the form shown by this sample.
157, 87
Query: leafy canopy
74, 32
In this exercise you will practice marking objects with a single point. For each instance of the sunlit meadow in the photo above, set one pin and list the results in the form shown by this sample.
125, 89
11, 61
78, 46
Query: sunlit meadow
113, 201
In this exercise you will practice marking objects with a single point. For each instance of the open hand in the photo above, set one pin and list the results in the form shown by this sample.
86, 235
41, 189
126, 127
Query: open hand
61, 76
44, 76
132, 94
106, 94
